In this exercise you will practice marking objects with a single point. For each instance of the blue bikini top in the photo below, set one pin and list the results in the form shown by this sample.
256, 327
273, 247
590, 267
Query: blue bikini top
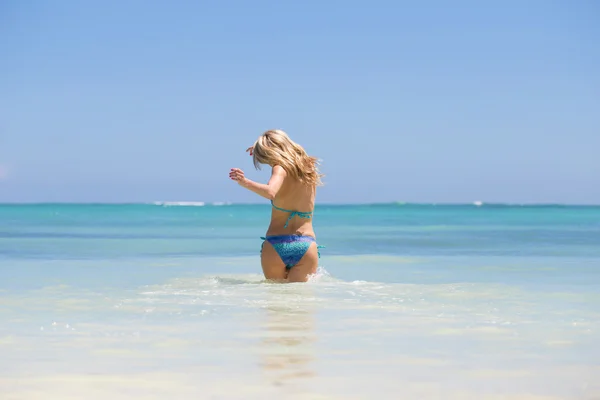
301, 214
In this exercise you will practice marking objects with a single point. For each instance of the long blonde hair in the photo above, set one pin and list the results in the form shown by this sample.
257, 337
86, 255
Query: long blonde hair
274, 147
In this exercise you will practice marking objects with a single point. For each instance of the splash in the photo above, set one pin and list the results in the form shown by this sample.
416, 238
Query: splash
322, 275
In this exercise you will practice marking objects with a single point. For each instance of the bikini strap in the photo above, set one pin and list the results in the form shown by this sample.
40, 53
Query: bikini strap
301, 214
319, 252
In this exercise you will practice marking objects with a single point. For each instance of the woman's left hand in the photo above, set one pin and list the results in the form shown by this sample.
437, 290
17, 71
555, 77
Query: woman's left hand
237, 174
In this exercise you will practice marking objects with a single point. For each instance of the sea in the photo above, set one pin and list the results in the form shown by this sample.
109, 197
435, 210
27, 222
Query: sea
411, 301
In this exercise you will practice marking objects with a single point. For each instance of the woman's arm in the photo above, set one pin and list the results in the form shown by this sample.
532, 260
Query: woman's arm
268, 191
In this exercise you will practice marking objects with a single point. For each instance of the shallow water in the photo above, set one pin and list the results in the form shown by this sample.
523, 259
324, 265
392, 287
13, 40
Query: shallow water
422, 302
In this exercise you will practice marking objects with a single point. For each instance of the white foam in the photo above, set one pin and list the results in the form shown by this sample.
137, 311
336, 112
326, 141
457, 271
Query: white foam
179, 203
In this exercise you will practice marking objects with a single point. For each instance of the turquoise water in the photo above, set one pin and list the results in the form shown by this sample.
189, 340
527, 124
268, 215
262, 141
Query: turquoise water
413, 301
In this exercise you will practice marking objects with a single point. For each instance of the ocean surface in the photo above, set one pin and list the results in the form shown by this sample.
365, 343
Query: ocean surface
167, 300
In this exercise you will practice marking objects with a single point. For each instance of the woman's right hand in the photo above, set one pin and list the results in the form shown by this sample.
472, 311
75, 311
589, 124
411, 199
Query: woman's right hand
250, 149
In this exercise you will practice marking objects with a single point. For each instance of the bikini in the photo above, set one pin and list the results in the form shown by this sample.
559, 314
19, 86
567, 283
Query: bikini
291, 248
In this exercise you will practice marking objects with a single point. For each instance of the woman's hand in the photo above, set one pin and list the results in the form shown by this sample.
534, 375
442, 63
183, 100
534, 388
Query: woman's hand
250, 149
268, 191
237, 175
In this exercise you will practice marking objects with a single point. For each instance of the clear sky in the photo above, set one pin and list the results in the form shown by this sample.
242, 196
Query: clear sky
429, 101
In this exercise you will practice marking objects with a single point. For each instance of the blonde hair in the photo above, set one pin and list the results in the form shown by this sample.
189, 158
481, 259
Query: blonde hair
274, 147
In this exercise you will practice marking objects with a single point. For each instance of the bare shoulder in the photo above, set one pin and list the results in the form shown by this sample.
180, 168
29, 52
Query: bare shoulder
278, 171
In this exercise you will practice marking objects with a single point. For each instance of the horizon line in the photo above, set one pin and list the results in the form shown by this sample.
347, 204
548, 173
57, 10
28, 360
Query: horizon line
229, 203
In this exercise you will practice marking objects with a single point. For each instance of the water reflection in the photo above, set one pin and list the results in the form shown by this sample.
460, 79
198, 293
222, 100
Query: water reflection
287, 335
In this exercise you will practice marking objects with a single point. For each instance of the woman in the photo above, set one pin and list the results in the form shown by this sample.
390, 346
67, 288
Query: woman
289, 251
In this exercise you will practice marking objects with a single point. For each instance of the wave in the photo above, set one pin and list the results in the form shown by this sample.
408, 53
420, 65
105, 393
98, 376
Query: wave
190, 203
194, 286
179, 203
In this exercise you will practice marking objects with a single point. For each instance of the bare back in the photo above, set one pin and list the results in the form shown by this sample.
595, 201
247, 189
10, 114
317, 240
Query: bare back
293, 196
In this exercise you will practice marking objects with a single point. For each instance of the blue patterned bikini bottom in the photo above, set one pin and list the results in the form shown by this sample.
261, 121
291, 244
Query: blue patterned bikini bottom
291, 248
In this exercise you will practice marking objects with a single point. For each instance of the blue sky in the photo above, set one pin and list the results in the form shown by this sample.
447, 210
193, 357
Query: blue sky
430, 101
